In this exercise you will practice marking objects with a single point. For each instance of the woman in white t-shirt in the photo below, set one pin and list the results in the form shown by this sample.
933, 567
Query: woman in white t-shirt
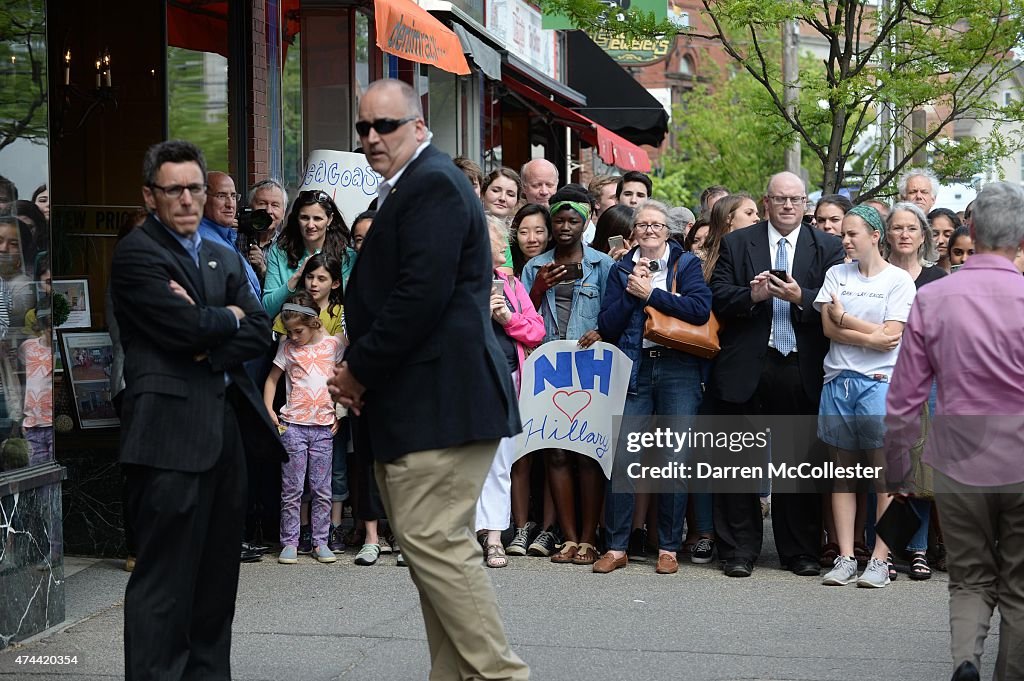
864, 305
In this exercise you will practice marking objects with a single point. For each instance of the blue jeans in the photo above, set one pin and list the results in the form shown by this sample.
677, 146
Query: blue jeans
923, 509
703, 519
667, 386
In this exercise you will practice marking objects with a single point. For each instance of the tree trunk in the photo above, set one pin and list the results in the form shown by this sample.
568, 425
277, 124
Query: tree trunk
833, 175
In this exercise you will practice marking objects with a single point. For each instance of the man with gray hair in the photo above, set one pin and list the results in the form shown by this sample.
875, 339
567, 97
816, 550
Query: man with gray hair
920, 186
978, 460
268, 195
680, 219
540, 180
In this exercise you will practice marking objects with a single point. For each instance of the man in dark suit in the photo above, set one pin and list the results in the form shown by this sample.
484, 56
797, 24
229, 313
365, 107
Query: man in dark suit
773, 351
426, 378
188, 319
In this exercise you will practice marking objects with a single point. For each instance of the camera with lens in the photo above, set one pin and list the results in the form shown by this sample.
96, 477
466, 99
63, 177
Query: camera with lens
653, 266
252, 221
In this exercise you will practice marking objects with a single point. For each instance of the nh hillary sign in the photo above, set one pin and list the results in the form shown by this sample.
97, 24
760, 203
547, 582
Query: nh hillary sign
569, 397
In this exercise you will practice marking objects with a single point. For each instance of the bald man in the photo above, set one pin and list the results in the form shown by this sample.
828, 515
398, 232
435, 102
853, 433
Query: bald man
218, 223
771, 363
540, 180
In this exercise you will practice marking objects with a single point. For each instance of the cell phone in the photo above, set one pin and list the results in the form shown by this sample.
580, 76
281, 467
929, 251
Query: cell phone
954, 268
497, 287
781, 274
616, 243
573, 270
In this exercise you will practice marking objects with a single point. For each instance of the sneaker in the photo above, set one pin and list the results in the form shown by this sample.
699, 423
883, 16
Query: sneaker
335, 540
519, 543
400, 559
368, 555
875, 576
385, 544
544, 544
288, 555
305, 540
324, 554
637, 549
844, 571
703, 551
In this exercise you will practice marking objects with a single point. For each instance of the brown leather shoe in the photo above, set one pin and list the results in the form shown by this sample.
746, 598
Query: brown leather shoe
609, 563
667, 564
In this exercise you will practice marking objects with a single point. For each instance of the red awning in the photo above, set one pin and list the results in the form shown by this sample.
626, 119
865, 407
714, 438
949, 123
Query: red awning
202, 25
613, 149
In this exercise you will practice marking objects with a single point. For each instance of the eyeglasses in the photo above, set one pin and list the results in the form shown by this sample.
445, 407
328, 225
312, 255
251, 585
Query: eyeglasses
224, 196
383, 126
649, 226
783, 200
176, 190
317, 195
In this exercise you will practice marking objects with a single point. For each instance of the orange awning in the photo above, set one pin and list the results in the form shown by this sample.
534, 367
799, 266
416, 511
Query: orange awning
613, 149
406, 30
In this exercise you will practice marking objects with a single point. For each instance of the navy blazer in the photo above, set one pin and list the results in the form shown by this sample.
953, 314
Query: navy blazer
173, 411
746, 326
417, 310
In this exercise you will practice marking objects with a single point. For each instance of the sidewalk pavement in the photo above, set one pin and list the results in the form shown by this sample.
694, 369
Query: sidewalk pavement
317, 622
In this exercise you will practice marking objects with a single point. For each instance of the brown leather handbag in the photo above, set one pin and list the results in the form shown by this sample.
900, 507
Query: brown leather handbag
672, 332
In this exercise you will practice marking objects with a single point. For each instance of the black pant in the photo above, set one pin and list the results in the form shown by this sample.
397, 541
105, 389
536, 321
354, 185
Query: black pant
796, 518
180, 600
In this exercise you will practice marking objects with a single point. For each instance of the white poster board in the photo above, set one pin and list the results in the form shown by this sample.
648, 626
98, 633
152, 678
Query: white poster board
346, 176
569, 397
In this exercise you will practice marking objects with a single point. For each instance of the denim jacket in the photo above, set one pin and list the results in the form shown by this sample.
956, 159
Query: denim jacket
622, 314
586, 293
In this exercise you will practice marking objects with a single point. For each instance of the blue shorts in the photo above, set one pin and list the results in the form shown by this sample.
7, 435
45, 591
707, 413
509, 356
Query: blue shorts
851, 414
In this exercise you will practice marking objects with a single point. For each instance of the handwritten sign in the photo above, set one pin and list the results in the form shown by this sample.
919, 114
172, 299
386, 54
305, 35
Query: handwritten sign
568, 399
346, 176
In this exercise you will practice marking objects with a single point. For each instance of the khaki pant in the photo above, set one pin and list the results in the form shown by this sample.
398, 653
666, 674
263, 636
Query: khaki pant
430, 498
984, 534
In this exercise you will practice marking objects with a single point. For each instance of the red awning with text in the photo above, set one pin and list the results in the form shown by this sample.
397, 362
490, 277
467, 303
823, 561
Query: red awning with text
406, 30
613, 149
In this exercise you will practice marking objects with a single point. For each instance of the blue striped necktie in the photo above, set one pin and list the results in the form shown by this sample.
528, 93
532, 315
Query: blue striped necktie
783, 334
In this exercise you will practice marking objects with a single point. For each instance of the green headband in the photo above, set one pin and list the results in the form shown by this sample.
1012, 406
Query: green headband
582, 208
870, 216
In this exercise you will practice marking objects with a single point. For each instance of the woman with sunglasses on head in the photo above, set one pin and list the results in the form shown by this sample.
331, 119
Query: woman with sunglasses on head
314, 224
663, 381
566, 285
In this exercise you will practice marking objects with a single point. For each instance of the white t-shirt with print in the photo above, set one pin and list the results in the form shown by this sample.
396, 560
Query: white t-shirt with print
885, 297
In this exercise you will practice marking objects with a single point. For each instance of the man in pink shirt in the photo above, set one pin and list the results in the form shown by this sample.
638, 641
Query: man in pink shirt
967, 332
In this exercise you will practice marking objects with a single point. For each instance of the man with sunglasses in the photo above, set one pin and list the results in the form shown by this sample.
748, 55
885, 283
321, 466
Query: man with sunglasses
425, 375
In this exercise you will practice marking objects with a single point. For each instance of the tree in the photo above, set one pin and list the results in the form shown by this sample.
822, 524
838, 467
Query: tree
23, 73
197, 109
726, 131
946, 57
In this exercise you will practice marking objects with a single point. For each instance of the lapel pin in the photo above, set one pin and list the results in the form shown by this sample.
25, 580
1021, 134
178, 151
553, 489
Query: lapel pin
212, 264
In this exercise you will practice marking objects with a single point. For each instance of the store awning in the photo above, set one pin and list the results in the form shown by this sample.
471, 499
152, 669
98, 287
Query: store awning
612, 148
202, 25
487, 59
408, 31
614, 98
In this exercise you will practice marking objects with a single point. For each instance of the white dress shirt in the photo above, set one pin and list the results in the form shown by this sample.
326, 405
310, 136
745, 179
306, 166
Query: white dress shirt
659, 279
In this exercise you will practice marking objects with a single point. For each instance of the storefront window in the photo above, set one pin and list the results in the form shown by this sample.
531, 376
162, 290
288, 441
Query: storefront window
291, 105
327, 81
197, 102
26, 306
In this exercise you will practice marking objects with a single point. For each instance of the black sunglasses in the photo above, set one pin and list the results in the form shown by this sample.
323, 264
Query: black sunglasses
383, 126
317, 195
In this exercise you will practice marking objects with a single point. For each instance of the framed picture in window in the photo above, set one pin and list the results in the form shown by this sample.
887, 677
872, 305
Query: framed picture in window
87, 360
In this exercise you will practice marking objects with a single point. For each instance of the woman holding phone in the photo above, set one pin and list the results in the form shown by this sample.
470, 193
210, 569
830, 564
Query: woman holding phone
663, 381
518, 328
567, 285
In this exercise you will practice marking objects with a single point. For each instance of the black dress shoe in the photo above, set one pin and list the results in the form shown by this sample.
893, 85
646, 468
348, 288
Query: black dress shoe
804, 566
738, 567
255, 548
250, 556
966, 672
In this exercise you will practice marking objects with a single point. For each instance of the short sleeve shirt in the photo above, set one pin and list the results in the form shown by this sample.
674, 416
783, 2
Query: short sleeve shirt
306, 370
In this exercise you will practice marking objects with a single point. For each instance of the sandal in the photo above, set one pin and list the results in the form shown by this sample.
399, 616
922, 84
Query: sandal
919, 569
829, 552
586, 554
861, 553
892, 568
495, 556
566, 552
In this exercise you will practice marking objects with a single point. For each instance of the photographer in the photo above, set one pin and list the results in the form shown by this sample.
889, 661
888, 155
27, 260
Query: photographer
219, 223
268, 195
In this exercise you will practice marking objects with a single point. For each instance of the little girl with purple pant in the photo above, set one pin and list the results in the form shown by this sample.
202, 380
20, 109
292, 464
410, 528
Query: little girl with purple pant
306, 357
